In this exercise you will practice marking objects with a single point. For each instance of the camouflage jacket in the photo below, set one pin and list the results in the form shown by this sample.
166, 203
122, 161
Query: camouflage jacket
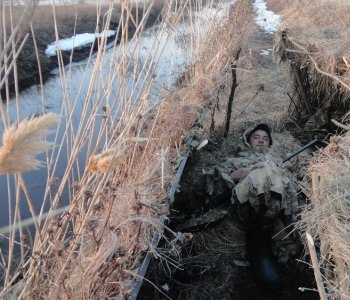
267, 175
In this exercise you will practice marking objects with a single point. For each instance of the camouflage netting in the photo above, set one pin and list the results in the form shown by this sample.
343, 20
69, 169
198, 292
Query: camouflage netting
320, 84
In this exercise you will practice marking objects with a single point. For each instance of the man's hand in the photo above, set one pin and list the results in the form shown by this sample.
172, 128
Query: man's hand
239, 174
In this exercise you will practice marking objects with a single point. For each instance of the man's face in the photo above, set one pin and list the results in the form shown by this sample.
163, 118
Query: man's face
259, 140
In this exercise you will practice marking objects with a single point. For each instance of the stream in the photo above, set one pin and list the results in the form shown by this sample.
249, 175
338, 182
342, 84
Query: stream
172, 62
67, 91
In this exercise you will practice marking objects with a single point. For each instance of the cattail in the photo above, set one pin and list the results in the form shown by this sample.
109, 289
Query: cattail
22, 142
109, 159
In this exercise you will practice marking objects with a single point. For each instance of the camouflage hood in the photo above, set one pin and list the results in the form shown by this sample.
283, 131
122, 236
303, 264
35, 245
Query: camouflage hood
267, 175
248, 156
245, 137
217, 179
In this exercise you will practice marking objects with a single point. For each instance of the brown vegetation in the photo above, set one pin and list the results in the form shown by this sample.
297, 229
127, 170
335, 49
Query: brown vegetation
93, 249
117, 206
315, 44
22, 142
327, 218
314, 41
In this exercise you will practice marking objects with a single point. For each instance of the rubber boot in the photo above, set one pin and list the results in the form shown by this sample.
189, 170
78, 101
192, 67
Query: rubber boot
259, 252
259, 248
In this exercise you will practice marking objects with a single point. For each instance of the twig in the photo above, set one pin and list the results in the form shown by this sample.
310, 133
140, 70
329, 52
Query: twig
212, 124
232, 94
301, 87
9, 69
138, 277
18, 243
292, 100
303, 289
31, 221
261, 88
315, 188
340, 124
30, 204
316, 266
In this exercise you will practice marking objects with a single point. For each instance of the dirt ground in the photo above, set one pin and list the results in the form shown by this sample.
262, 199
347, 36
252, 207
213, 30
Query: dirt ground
211, 265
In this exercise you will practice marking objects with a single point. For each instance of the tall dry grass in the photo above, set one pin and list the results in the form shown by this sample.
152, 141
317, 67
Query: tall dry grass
44, 14
327, 217
318, 41
313, 42
317, 49
117, 201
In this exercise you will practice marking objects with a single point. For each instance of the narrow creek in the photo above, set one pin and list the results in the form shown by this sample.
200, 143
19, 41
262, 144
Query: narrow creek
165, 51
172, 61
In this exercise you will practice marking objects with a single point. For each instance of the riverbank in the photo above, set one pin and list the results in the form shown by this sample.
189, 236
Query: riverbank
70, 20
118, 203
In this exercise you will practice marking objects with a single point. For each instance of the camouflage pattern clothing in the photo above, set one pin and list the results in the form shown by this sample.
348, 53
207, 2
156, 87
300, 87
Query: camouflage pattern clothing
266, 197
267, 193
266, 175
263, 179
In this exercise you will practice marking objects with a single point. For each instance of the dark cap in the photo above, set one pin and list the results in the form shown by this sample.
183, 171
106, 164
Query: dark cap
263, 127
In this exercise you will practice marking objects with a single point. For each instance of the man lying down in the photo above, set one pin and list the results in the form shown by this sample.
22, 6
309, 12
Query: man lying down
265, 201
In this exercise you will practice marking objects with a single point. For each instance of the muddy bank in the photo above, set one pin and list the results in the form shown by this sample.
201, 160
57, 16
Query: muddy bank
67, 26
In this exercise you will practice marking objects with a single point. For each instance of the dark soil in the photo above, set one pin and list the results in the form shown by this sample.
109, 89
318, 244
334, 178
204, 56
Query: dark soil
67, 26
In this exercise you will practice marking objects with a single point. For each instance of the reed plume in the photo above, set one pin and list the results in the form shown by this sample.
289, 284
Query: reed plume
22, 142
109, 159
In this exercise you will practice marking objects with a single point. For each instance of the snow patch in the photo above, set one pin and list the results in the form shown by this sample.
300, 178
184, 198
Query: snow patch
266, 19
214, 13
76, 41
265, 52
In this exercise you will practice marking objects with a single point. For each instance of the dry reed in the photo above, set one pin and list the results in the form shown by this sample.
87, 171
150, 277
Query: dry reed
94, 248
108, 160
315, 44
22, 142
314, 40
327, 216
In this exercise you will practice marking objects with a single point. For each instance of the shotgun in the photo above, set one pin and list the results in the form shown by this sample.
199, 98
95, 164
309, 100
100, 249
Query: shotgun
313, 142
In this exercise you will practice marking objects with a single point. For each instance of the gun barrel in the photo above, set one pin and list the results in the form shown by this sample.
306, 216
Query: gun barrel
313, 142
